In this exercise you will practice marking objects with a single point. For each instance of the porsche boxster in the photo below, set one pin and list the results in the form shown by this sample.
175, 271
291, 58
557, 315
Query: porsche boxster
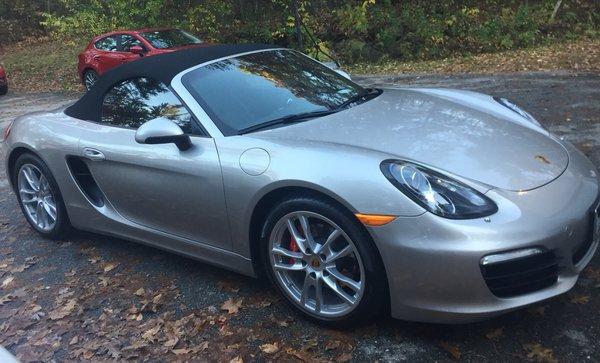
437, 205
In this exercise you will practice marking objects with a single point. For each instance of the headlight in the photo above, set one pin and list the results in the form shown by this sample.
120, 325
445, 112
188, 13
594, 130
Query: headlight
513, 107
437, 193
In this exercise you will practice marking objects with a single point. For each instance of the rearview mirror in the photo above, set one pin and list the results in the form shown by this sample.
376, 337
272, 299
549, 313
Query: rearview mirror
162, 131
136, 49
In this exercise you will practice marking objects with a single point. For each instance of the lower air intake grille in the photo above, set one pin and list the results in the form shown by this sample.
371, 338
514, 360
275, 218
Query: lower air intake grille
522, 275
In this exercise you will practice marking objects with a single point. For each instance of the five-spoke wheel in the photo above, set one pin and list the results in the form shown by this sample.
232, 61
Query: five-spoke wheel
39, 196
323, 261
317, 263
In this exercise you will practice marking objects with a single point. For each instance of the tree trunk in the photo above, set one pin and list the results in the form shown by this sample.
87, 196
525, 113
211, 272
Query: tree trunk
556, 7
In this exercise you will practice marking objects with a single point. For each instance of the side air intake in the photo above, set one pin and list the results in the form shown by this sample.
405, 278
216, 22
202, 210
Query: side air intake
84, 179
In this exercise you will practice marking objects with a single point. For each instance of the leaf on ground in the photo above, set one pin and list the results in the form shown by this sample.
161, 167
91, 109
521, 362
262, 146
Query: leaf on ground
232, 305
332, 344
7, 281
298, 354
580, 299
495, 334
181, 351
157, 299
110, 267
63, 311
140, 292
237, 359
269, 348
539, 353
150, 333
228, 286
452, 349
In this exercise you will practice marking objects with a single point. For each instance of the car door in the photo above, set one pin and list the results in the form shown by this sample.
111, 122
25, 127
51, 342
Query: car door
107, 54
156, 186
127, 41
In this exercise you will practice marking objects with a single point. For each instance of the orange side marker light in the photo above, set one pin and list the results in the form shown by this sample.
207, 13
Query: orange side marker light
374, 219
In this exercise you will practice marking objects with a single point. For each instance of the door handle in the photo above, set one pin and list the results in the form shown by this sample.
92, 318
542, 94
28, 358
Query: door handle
93, 154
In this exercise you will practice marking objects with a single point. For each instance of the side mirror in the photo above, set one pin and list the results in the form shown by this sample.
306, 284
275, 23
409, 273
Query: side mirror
334, 66
162, 131
136, 49
343, 73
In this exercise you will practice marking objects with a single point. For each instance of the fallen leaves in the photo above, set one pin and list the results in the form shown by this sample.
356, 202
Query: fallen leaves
580, 56
109, 267
452, 349
7, 281
539, 353
140, 292
580, 299
269, 348
232, 306
63, 311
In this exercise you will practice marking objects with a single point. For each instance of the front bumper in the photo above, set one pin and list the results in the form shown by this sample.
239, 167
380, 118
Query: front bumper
434, 264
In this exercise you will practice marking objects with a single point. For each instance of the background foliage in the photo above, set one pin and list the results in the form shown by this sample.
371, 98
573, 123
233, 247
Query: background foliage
356, 30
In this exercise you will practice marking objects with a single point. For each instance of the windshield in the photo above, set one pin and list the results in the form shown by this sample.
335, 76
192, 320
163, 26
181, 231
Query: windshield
242, 92
172, 38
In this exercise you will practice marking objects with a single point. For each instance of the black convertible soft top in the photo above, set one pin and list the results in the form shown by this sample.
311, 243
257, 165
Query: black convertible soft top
159, 67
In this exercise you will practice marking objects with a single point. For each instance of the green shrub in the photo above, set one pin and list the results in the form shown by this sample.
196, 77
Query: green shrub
357, 30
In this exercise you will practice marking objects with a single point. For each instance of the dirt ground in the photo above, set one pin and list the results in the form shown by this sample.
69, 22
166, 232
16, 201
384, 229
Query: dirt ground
100, 298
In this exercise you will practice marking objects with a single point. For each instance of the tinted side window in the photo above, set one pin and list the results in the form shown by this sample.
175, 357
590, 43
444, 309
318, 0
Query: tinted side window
133, 102
108, 44
128, 41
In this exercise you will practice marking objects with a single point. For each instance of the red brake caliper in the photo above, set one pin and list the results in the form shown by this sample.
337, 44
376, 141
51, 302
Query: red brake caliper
293, 248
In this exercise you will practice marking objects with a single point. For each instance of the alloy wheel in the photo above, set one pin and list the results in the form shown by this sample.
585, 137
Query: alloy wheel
37, 197
90, 79
316, 264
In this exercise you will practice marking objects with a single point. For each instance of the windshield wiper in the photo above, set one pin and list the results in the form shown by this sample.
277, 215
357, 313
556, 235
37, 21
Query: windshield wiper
287, 120
365, 96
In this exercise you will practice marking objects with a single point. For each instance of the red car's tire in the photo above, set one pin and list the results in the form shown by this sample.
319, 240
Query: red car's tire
90, 77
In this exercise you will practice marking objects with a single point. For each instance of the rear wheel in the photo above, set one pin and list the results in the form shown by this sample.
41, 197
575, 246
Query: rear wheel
39, 197
3, 90
90, 77
323, 262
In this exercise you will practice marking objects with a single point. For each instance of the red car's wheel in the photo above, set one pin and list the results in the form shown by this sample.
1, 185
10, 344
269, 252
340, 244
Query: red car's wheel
90, 77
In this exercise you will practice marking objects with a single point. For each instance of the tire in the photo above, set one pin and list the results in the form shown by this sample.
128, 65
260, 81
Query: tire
324, 217
3, 90
90, 77
61, 226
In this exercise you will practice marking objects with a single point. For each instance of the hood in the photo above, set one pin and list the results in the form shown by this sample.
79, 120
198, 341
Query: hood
451, 134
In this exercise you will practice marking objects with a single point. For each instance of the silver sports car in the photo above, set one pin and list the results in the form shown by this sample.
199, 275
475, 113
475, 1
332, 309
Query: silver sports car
438, 205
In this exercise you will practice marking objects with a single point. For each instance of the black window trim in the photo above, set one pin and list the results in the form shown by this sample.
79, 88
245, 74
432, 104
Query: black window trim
194, 119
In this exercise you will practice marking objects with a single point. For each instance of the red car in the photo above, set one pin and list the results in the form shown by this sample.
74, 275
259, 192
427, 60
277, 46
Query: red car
109, 50
3, 82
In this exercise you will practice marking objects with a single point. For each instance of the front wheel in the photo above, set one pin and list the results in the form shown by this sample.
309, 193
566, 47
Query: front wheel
323, 262
3, 90
39, 197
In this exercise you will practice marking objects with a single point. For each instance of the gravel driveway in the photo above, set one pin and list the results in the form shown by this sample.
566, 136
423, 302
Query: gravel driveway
100, 298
